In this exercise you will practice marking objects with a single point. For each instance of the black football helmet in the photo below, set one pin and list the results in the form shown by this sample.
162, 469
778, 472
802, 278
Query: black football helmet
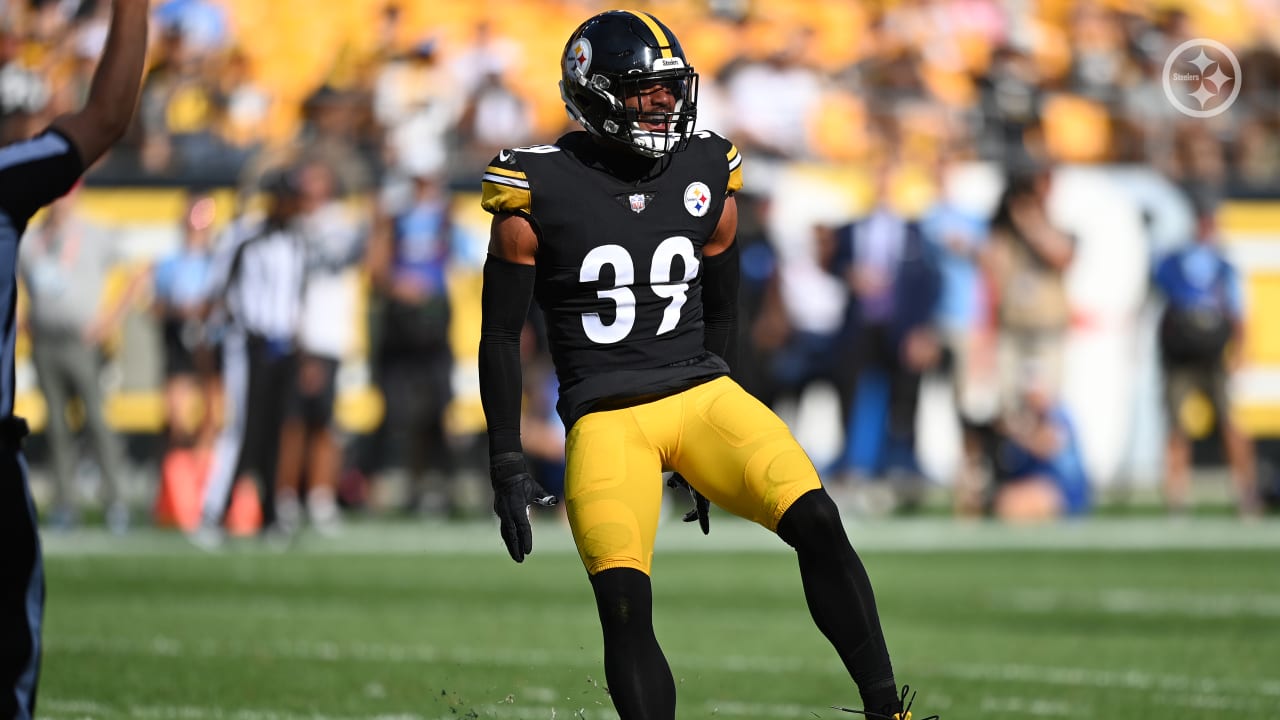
615, 55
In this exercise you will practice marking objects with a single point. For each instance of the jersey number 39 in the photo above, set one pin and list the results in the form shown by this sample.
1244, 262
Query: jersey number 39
624, 273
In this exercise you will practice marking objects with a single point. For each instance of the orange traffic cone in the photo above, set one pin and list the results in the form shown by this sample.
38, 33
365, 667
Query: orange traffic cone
244, 517
182, 477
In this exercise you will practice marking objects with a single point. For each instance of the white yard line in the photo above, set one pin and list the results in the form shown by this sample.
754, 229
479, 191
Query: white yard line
1108, 679
932, 535
1012, 705
56, 707
1038, 707
1168, 685
1126, 601
1161, 689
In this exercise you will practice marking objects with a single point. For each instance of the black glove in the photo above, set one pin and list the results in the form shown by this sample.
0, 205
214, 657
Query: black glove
514, 490
701, 505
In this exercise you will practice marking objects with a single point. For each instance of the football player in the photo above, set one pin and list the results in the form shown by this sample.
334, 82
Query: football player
625, 235
33, 173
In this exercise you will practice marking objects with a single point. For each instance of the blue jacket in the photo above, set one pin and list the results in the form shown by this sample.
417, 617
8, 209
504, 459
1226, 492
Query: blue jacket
917, 283
1200, 276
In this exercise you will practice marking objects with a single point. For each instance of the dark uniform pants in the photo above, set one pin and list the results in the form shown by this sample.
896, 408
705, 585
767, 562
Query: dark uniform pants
21, 580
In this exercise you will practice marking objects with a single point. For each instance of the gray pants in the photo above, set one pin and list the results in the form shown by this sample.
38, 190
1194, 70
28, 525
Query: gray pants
66, 368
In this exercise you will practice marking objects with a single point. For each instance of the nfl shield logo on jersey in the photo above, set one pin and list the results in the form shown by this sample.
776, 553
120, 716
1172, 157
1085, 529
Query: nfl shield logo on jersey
637, 202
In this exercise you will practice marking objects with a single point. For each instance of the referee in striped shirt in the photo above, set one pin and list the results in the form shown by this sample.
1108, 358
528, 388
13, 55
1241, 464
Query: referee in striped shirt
257, 281
33, 173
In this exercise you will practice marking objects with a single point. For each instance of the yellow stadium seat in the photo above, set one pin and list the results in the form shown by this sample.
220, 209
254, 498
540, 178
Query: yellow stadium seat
1076, 129
839, 132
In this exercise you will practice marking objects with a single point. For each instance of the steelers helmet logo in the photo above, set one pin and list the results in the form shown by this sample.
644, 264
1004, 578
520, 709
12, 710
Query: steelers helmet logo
697, 199
578, 58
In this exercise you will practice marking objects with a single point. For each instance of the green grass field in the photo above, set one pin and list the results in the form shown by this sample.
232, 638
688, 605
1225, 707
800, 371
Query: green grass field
1115, 618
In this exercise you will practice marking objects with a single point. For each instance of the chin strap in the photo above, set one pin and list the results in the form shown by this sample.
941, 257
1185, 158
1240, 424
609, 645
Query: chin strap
655, 144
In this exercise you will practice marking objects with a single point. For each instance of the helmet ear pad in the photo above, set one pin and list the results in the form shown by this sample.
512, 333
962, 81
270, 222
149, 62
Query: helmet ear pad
615, 55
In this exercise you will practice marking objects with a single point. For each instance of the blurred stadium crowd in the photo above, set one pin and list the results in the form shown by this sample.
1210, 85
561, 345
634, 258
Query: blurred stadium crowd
382, 114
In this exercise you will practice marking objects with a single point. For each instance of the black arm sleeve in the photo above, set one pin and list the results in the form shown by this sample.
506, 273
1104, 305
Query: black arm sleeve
720, 303
36, 172
504, 305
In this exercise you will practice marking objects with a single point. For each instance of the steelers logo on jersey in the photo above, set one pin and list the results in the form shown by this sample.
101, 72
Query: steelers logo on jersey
697, 199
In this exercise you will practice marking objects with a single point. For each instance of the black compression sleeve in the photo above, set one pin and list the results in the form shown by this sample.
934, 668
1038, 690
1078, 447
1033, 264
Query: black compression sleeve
720, 274
504, 305
36, 172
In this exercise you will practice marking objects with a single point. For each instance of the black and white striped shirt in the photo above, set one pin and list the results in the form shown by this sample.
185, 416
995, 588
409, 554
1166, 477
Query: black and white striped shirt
259, 272
33, 173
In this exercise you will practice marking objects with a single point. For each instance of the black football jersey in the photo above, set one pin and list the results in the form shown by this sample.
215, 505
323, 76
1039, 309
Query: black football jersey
619, 262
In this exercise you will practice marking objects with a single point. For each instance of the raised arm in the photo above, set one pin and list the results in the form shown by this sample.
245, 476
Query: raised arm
113, 93
379, 253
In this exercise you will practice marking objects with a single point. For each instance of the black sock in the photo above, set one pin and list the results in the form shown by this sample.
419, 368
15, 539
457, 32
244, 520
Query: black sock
639, 678
840, 598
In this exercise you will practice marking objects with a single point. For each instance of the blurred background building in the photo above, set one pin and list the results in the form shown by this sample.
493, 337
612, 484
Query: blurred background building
1022, 165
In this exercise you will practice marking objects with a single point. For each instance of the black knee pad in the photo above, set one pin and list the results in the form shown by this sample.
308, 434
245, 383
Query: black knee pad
812, 522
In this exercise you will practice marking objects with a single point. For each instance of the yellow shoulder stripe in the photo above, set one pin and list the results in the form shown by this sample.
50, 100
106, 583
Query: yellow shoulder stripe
502, 198
504, 171
735, 169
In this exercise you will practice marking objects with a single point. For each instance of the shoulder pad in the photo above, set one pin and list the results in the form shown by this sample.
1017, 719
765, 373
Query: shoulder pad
505, 187
731, 155
735, 169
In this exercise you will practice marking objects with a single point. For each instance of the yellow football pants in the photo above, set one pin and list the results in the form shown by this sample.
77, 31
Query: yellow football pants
728, 445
